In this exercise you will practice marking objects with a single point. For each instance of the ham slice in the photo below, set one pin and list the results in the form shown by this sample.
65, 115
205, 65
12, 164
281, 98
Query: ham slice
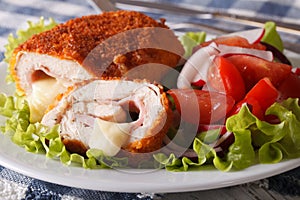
105, 45
111, 115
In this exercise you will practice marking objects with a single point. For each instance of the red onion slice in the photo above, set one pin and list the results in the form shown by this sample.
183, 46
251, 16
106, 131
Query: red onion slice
231, 50
277, 54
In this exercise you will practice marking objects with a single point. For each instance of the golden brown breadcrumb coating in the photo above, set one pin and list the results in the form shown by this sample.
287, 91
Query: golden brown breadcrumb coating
95, 42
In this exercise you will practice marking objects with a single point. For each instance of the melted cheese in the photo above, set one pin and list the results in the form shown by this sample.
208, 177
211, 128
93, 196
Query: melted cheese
43, 94
109, 136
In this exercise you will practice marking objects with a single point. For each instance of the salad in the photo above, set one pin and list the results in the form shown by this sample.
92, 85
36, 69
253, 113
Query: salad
236, 100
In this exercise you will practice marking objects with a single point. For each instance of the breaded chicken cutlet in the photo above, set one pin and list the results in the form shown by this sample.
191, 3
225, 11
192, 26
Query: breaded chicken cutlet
112, 114
105, 45
86, 58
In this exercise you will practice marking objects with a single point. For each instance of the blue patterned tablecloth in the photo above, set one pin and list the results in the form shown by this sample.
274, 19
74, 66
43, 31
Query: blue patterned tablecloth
14, 15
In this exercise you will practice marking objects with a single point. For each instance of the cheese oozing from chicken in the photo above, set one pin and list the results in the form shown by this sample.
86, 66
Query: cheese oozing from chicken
44, 92
109, 136
41, 91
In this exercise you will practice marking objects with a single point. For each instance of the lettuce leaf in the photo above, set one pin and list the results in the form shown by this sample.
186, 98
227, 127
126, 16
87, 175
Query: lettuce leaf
37, 138
288, 113
270, 143
272, 37
275, 142
191, 39
22, 35
172, 163
207, 159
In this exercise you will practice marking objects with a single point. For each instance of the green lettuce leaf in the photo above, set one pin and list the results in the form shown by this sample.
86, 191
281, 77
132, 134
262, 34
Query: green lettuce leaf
209, 136
6, 105
241, 152
207, 159
37, 138
172, 163
271, 143
191, 39
272, 37
287, 113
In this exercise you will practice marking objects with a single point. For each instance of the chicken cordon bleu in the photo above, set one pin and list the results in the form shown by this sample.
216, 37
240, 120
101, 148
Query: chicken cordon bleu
105, 45
112, 115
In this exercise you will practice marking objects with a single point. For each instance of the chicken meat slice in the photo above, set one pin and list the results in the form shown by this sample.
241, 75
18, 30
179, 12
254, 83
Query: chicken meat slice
111, 115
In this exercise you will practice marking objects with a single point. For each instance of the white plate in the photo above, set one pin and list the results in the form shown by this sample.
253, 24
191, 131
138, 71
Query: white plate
157, 181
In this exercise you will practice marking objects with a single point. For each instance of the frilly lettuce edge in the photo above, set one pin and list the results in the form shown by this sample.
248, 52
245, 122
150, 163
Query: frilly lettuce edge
255, 142
37, 138
271, 143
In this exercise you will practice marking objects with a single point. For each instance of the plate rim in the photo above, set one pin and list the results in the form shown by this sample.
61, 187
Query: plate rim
68, 175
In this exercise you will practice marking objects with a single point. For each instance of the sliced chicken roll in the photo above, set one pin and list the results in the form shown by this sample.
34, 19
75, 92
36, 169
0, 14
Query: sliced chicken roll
105, 45
111, 115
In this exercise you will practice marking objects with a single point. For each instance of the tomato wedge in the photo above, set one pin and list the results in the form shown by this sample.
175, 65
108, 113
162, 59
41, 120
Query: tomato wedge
290, 87
264, 92
223, 76
253, 106
258, 99
254, 69
297, 71
200, 106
